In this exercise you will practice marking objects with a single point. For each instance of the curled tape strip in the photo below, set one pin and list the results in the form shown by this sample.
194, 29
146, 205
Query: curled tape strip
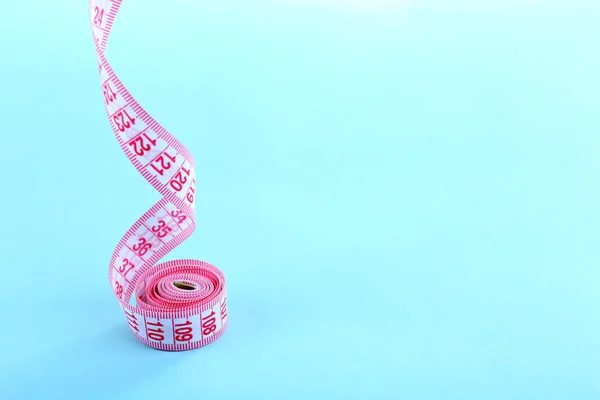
181, 304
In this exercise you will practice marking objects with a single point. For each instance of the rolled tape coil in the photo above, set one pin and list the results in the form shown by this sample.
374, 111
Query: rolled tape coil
175, 305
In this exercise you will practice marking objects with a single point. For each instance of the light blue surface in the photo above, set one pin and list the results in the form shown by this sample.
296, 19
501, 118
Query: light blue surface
404, 199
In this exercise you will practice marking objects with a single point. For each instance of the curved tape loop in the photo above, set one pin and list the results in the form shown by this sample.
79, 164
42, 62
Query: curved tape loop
181, 304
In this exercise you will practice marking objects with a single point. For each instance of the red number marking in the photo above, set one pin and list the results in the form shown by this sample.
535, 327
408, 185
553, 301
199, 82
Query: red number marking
180, 179
224, 309
161, 229
142, 247
118, 289
191, 191
98, 15
126, 267
178, 215
155, 333
183, 332
140, 146
209, 324
123, 120
164, 164
109, 93
132, 321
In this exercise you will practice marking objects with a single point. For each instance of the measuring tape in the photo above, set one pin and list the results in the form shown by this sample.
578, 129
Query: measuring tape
177, 305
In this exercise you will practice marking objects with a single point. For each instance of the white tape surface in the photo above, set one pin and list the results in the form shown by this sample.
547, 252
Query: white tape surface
181, 304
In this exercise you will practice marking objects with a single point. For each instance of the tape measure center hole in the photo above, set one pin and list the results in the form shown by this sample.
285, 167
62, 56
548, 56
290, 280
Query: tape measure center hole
184, 285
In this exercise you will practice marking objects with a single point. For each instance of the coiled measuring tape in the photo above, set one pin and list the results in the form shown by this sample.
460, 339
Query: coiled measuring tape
175, 305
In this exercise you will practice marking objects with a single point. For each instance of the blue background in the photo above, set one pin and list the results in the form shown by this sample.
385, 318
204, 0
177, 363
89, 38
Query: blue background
403, 197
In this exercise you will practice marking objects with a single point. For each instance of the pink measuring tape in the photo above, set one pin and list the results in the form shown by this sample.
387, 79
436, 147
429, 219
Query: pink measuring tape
181, 304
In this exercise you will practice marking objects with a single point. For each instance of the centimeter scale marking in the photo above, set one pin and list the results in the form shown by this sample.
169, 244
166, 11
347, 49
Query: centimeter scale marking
175, 305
